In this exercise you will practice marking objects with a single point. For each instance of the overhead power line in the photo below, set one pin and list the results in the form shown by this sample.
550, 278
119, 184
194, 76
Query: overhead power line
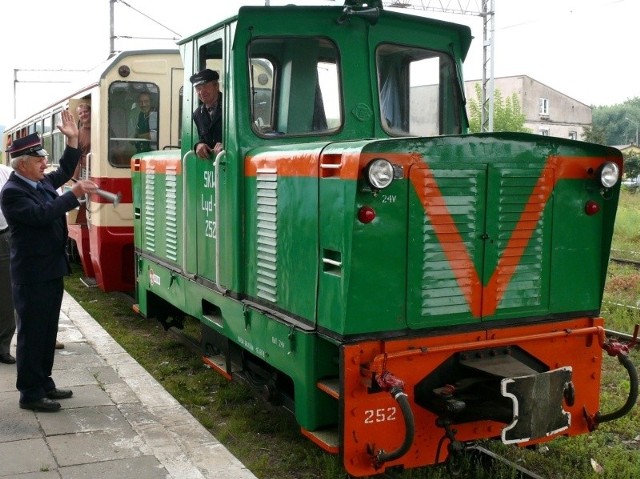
468, 7
147, 16
113, 36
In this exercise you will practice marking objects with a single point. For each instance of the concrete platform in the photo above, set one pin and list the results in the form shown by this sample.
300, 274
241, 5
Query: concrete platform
120, 422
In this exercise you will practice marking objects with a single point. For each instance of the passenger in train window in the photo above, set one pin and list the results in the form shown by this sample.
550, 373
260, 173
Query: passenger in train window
83, 112
147, 124
208, 116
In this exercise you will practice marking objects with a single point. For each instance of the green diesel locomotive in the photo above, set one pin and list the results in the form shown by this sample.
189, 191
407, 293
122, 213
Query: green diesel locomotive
402, 286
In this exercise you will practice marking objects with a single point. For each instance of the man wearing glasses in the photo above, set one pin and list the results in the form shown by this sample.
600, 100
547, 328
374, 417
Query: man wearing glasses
35, 214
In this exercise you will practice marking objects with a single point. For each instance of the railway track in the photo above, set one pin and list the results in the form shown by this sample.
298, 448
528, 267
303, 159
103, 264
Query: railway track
630, 262
622, 336
487, 457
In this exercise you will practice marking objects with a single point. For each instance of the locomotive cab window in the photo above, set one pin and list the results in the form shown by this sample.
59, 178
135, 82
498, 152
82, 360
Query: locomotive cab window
418, 91
304, 69
210, 55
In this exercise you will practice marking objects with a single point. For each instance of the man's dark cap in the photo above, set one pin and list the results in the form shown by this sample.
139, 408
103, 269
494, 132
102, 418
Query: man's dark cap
29, 145
203, 77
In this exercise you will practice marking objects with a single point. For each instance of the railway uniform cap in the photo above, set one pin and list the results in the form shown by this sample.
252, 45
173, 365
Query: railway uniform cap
204, 76
29, 145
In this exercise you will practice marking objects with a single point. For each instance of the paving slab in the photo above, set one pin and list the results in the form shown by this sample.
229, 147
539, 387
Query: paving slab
120, 421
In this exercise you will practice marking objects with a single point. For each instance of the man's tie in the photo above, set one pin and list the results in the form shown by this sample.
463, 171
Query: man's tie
43, 192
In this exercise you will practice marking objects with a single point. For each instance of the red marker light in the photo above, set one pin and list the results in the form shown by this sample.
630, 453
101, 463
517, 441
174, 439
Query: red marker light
591, 208
366, 214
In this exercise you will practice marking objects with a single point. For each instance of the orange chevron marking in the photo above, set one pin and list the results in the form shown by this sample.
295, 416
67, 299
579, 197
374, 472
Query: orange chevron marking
484, 300
449, 237
510, 256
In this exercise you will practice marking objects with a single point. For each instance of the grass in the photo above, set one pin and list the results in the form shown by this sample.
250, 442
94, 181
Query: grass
626, 236
267, 439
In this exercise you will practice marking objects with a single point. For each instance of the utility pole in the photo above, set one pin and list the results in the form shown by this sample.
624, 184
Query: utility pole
635, 123
112, 35
488, 32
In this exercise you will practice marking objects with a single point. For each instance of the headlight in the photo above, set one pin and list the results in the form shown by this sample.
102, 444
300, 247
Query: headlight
379, 173
609, 174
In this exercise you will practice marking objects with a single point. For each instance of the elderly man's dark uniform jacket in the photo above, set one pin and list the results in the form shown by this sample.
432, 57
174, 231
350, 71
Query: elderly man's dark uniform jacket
37, 224
209, 124
38, 227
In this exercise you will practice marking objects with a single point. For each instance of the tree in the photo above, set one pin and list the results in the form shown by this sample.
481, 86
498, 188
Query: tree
507, 114
631, 165
617, 123
595, 134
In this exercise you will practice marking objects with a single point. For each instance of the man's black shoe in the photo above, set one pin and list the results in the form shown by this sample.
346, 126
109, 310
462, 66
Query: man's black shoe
7, 358
56, 393
42, 404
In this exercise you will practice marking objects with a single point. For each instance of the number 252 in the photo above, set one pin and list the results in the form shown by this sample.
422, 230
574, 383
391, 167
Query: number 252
379, 415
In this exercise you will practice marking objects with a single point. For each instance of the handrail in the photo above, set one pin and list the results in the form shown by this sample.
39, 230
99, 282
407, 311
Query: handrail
216, 209
379, 362
184, 213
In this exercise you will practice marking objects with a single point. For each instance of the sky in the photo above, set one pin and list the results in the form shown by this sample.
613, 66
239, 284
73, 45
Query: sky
583, 48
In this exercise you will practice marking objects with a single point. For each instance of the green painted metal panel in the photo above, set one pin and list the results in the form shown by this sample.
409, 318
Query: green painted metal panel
302, 356
281, 229
362, 283
192, 173
162, 282
580, 242
206, 227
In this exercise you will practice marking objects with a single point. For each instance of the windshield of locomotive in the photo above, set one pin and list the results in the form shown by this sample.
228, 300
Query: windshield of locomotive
418, 91
294, 86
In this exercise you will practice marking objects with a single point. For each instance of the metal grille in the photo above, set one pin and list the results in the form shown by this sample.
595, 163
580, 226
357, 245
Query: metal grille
171, 217
267, 234
524, 287
482, 238
441, 291
149, 208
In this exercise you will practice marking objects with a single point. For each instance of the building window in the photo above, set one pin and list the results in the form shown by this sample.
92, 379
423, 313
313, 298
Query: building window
573, 135
544, 106
544, 131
